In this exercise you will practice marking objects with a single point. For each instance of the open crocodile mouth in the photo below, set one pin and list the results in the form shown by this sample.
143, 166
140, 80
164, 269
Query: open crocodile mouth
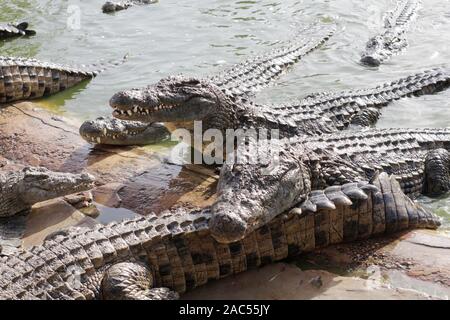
136, 111
105, 134
82, 186
112, 136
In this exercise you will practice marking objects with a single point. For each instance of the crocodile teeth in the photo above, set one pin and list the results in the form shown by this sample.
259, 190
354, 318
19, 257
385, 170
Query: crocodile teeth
98, 140
104, 131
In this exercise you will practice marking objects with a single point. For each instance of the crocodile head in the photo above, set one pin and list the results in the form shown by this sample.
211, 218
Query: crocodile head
176, 99
381, 48
40, 184
251, 194
20, 190
121, 132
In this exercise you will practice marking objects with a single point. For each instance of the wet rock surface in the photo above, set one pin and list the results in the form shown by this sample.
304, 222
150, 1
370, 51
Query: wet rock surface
143, 181
286, 281
138, 180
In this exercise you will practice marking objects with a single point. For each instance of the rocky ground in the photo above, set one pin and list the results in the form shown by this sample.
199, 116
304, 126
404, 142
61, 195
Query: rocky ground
415, 266
132, 181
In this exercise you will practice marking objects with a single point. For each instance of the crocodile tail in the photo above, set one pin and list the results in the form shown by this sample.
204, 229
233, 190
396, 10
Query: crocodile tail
385, 211
426, 82
404, 12
393, 211
361, 100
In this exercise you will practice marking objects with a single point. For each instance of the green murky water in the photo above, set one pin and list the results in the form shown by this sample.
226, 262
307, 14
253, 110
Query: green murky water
202, 37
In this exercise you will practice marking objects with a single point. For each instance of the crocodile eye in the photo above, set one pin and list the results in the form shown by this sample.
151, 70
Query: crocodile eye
193, 82
36, 176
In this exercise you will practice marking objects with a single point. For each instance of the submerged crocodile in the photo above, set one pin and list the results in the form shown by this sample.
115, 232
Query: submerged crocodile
393, 39
20, 190
10, 30
161, 257
25, 79
111, 6
181, 100
113, 131
250, 193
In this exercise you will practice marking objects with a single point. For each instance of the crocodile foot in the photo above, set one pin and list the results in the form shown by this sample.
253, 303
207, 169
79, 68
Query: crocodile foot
437, 172
132, 281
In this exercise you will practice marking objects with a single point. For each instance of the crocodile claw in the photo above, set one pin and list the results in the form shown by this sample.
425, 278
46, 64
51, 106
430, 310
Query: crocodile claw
353, 191
368, 187
320, 199
338, 197
308, 206
297, 211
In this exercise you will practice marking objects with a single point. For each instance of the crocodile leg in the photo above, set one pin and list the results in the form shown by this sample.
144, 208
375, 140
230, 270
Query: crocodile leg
365, 118
132, 281
437, 172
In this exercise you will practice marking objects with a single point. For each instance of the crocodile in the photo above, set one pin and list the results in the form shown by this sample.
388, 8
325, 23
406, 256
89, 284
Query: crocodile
260, 70
110, 6
251, 75
20, 190
11, 30
181, 100
393, 39
113, 131
250, 193
26, 79
156, 258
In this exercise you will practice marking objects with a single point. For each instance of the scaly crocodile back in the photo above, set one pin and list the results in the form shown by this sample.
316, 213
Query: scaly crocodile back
257, 72
181, 253
403, 14
327, 112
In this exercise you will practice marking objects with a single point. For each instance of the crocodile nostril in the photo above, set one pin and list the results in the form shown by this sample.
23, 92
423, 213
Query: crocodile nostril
370, 61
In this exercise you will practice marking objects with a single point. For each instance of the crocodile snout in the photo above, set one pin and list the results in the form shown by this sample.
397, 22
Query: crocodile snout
370, 61
227, 227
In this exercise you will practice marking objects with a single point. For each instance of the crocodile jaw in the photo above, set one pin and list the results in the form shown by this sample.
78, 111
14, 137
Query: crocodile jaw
40, 184
172, 99
112, 131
